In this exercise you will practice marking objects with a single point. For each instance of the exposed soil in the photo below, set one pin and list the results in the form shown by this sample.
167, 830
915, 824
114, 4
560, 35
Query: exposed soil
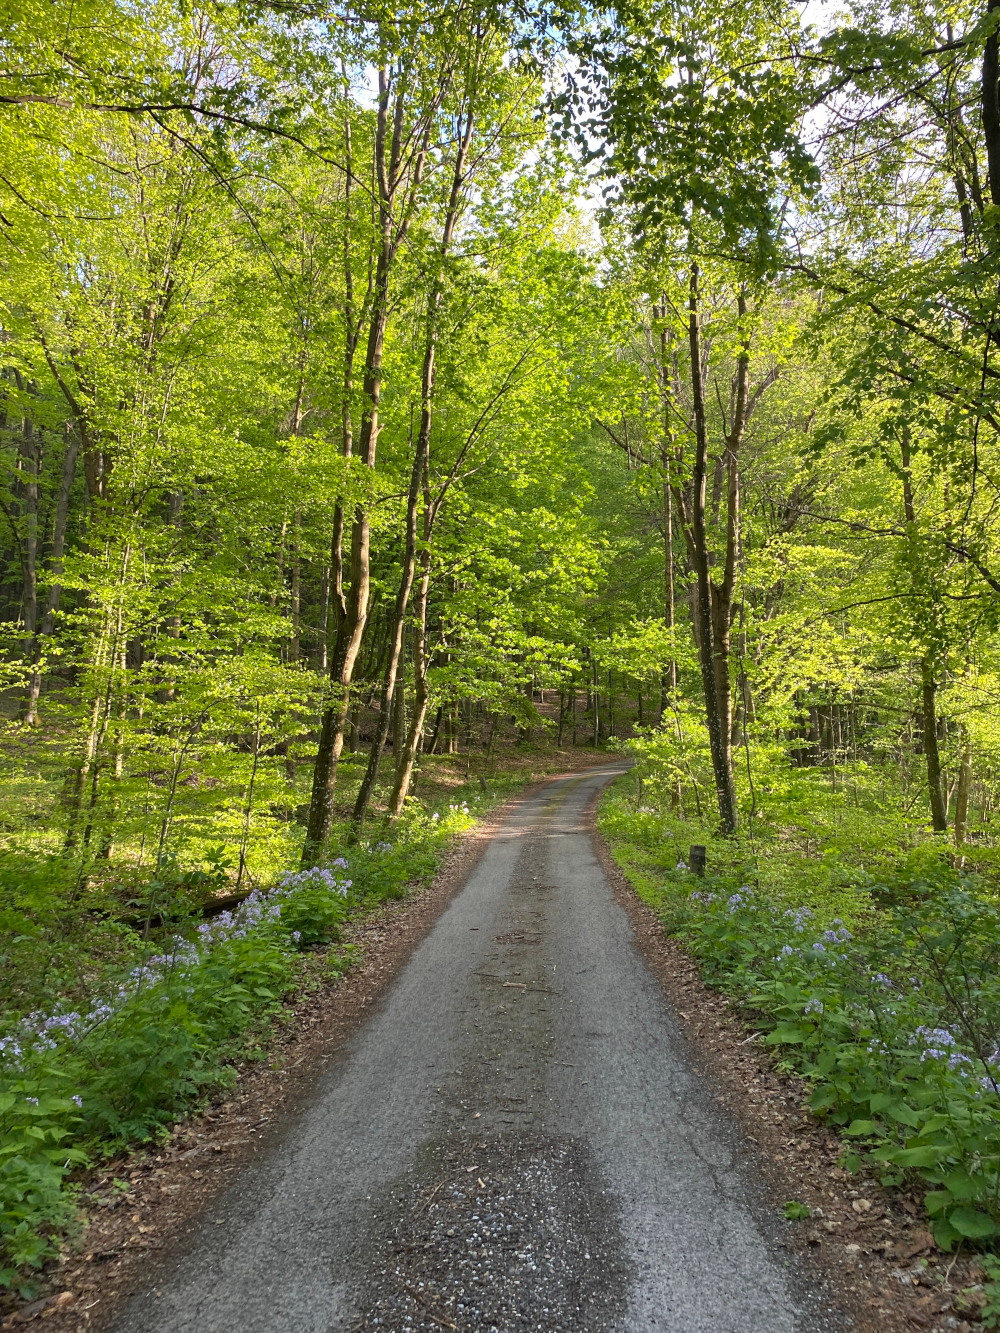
872, 1244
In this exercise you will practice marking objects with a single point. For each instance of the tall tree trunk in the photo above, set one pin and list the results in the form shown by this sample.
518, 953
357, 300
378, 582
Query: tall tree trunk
991, 105
928, 684
418, 481
668, 683
106, 663
722, 594
397, 631
31, 456
407, 758
324, 617
295, 607
963, 789
394, 214
718, 733
597, 705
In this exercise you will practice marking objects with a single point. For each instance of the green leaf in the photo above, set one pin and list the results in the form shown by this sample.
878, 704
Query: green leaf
945, 1235
936, 1201
786, 1034
926, 1155
862, 1127
973, 1224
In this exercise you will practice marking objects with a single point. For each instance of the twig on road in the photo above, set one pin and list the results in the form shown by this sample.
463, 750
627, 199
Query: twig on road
426, 1202
417, 1296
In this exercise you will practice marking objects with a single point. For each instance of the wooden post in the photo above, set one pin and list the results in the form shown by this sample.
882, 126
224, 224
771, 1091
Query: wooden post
697, 859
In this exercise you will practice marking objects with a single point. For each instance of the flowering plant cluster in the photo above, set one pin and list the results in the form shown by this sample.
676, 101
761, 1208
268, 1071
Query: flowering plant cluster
156, 1036
907, 1065
119, 1066
311, 903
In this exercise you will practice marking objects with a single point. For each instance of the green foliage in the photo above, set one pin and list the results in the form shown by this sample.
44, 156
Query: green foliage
990, 1312
314, 904
76, 1084
891, 1020
36, 1117
796, 1212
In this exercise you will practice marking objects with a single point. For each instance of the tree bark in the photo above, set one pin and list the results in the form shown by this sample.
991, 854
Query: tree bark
407, 758
398, 183
928, 685
711, 674
963, 790
668, 683
421, 464
991, 105
397, 632
935, 785
31, 456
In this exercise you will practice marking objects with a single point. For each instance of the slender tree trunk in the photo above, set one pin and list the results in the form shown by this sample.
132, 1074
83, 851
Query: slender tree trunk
668, 682
107, 656
963, 789
991, 105
31, 455
928, 684
432, 740
248, 805
407, 757
418, 481
351, 629
59, 525
324, 617
935, 784
397, 630
718, 726
295, 609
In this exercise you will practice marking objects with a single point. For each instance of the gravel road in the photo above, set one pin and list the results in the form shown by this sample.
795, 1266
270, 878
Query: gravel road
515, 1140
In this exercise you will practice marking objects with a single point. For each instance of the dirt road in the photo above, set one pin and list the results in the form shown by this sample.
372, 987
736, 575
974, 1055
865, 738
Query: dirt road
515, 1140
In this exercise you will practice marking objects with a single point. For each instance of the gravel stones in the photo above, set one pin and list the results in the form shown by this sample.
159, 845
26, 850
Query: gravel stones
513, 1234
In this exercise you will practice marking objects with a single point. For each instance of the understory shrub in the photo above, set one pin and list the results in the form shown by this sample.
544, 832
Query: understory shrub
78, 1081
894, 1025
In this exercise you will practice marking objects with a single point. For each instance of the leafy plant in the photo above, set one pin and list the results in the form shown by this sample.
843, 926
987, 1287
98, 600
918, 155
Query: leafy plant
990, 1311
796, 1212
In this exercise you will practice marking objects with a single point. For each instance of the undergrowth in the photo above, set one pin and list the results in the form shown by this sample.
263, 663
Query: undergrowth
878, 984
127, 998
144, 1020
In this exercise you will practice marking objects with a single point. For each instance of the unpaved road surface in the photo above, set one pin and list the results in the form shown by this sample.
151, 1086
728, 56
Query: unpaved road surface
515, 1140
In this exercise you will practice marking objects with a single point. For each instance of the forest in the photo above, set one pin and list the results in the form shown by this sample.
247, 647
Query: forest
400, 401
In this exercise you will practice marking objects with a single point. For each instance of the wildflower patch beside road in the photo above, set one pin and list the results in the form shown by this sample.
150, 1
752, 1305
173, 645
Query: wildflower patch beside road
891, 1017
76, 1083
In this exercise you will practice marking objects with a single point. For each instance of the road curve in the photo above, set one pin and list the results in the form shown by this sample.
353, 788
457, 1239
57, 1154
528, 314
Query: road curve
515, 1140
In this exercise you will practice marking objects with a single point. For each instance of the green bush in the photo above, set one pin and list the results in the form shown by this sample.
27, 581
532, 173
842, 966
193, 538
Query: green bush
77, 1083
35, 1120
74, 1083
314, 903
894, 1028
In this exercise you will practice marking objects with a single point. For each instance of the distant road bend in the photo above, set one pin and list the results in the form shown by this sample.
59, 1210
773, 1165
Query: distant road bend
514, 1140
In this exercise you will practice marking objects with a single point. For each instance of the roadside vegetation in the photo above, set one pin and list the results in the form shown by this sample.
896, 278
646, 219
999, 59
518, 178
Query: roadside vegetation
872, 975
